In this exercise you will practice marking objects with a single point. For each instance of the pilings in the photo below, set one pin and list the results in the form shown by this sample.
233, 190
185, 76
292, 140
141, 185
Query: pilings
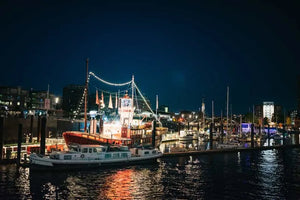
252, 135
296, 138
284, 133
211, 136
43, 136
1, 136
268, 135
153, 132
39, 129
31, 128
19, 143
222, 133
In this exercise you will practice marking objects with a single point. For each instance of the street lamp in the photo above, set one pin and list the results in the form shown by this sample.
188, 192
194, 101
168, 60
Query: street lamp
56, 100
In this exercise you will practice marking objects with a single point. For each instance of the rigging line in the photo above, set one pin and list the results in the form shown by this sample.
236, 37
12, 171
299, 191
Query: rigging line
147, 103
108, 83
136, 100
105, 91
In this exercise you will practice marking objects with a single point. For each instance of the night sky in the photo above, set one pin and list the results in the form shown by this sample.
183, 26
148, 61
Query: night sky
181, 50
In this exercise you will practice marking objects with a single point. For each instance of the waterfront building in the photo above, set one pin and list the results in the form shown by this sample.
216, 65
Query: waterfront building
258, 111
268, 110
293, 116
18, 101
13, 99
43, 100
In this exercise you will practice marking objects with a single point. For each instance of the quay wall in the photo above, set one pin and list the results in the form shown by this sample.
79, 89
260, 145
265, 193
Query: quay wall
54, 128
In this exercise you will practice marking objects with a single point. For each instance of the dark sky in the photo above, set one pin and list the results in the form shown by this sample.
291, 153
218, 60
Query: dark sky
180, 50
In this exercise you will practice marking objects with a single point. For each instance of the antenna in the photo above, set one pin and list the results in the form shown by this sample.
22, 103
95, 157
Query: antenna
85, 94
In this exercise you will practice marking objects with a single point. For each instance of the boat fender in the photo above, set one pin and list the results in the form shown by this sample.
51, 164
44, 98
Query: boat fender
82, 156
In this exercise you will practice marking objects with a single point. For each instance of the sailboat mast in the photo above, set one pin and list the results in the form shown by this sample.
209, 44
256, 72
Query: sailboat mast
227, 108
212, 111
156, 104
85, 95
203, 112
132, 89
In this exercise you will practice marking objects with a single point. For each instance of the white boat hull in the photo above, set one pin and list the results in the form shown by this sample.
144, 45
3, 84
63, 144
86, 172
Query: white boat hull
44, 162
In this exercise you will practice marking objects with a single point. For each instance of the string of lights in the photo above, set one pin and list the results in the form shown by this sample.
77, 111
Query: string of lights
81, 100
109, 83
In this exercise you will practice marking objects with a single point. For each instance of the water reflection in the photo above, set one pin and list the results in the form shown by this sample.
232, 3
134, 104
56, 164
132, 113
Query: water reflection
125, 183
119, 184
271, 174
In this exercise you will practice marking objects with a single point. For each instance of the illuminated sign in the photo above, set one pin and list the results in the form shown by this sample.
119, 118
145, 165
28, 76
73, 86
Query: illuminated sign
125, 102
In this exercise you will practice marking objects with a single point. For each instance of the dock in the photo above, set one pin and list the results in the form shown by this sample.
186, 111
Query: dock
229, 150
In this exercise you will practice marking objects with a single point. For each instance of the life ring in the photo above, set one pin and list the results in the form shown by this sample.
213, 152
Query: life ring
82, 156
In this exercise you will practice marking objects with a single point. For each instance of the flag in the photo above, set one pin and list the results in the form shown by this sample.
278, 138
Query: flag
102, 100
97, 98
110, 105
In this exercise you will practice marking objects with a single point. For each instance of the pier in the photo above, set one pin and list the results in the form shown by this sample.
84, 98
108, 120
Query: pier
232, 150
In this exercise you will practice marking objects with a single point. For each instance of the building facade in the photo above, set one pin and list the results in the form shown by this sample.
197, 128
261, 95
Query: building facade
268, 110
18, 101
13, 99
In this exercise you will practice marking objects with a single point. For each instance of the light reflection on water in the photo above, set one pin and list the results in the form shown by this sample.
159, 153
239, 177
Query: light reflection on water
270, 174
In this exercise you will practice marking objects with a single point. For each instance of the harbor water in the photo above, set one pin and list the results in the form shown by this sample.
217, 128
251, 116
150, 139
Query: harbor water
269, 174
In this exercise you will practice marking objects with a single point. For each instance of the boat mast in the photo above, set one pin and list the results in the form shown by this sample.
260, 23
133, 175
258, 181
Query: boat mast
85, 94
227, 109
212, 111
203, 113
156, 104
132, 88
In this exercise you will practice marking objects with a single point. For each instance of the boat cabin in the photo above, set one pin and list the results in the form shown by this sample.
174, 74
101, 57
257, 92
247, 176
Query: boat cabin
92, 152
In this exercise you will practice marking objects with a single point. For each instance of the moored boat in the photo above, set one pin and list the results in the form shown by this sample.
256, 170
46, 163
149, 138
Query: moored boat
188, 135
85, 156
77, 137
